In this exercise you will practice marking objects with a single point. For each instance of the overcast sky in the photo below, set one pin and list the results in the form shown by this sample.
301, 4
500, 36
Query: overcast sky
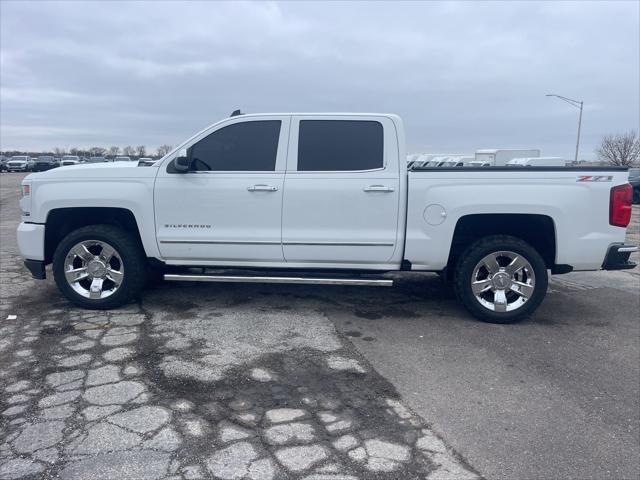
462, 75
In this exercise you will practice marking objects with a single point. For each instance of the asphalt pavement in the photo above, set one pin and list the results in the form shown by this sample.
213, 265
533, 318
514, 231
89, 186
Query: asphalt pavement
319, 382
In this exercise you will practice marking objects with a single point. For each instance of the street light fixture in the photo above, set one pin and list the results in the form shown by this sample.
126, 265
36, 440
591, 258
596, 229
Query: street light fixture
573, 103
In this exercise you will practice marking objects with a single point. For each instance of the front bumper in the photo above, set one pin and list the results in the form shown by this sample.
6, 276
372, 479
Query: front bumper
31, 240
43, 168
617, 257
17, 169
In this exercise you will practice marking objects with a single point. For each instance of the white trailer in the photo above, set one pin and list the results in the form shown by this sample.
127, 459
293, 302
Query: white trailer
500, 157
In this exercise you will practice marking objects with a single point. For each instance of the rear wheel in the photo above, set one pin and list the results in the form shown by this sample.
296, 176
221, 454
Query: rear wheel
501, 279
99, 267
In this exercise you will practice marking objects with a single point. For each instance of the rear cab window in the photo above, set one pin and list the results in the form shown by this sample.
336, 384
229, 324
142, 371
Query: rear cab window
340, 145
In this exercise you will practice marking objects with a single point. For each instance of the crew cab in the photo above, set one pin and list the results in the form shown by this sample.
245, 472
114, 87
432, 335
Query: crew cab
320, 198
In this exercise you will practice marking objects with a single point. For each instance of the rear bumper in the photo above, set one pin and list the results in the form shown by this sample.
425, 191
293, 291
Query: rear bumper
617, 257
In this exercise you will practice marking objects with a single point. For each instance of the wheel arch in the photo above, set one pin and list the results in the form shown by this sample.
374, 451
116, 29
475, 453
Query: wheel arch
61, 221
537, 230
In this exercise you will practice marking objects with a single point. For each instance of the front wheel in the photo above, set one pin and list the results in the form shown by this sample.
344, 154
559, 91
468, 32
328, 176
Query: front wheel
501, 279
99, 267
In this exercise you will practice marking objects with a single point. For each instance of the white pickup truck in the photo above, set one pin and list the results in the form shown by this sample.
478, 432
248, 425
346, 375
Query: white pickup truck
320, 198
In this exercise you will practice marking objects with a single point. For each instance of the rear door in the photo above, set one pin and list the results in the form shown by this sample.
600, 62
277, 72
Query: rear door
342, 186
227, 210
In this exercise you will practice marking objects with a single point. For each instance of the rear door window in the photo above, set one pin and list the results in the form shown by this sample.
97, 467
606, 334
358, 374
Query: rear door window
340, 145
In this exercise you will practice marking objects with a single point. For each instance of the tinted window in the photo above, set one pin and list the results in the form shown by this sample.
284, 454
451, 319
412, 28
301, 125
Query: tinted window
247, 146
332, 145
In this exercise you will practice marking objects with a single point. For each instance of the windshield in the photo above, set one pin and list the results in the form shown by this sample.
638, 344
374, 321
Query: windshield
20, 159
45, 159
634, 172
96, 159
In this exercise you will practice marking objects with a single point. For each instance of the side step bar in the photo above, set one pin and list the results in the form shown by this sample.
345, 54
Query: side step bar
375, 282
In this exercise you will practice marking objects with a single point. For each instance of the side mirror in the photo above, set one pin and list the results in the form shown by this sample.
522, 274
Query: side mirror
181, 162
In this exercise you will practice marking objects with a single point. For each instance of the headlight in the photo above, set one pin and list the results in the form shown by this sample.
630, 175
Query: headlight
25, 199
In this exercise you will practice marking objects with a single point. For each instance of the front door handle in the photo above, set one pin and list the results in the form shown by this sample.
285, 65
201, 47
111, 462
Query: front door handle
378, 188
262, 188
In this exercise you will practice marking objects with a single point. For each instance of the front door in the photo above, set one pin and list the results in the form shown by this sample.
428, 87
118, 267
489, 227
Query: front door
227, 209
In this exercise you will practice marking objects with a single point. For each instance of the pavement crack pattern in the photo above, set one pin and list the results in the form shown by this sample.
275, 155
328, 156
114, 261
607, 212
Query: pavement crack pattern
195, 390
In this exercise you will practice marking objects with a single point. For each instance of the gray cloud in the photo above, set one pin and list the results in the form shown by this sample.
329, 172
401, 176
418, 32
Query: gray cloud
462, 75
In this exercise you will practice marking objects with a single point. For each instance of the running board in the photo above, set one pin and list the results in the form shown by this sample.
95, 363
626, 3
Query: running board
377, 282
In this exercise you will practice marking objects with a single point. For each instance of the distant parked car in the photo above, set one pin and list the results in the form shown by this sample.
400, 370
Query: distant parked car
537, 162
18, 163
70, 160
31, 164
479, 163
634, 180
96, 160
44, 162
3, 163
122, 159
146, 161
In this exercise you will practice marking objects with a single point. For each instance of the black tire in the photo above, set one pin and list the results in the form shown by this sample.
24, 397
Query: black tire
475, 253
128, 248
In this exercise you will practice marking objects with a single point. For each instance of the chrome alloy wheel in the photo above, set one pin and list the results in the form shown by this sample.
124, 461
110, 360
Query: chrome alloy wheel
94, 269
503, 281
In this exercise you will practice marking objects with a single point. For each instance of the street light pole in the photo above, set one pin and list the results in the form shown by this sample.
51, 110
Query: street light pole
578, 140
577, 104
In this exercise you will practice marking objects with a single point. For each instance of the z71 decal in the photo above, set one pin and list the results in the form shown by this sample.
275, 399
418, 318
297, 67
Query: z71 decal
594, 178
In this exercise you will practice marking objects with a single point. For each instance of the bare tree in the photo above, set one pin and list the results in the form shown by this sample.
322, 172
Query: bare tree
620, 149
163, 150
98, 151
129, 151
114, 151
141, 150
59, 151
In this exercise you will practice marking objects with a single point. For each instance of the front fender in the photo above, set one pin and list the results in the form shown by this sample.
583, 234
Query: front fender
133, 194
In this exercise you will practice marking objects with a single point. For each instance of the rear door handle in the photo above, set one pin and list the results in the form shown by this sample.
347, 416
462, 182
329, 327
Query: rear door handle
262, 188
378, 188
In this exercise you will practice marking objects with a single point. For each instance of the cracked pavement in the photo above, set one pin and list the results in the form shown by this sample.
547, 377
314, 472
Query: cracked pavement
195, 381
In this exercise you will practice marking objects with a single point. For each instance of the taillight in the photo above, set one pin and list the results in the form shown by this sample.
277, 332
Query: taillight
620, 205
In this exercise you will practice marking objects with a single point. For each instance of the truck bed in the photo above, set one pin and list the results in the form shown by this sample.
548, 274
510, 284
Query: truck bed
575, 200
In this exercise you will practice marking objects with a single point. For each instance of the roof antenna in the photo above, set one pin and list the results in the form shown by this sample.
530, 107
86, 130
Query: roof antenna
236, 113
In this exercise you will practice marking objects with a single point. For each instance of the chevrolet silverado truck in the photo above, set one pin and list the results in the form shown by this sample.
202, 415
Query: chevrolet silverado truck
326, 199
